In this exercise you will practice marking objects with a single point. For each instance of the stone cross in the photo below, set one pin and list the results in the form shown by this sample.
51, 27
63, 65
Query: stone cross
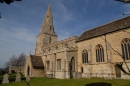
28, 78
18, 77
5, 79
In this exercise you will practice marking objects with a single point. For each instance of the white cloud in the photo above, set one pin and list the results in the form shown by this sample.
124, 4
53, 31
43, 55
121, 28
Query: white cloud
23, 34
64, 12
16, 34
15, 41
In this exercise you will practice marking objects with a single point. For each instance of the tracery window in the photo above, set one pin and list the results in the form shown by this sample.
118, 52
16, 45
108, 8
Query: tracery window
84, 56
125, 44
99, 53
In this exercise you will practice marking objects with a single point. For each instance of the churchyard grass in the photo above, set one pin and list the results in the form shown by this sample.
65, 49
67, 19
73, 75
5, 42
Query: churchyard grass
66, 82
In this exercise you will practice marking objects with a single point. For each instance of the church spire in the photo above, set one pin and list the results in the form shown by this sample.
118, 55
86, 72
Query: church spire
48, 13
47, 26
47, 34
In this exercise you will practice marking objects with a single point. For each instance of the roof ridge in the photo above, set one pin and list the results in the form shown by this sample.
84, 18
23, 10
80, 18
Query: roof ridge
106, 28
108, 23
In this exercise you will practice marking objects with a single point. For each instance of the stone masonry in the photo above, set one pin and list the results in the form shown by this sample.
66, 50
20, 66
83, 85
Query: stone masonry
64, 59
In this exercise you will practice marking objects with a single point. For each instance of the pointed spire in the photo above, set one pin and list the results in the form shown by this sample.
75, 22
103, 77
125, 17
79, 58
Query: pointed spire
48, 13
47, 26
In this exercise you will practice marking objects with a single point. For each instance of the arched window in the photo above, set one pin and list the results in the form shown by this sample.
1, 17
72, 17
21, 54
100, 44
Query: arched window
84, 56
99, 53
125, 44
72, 64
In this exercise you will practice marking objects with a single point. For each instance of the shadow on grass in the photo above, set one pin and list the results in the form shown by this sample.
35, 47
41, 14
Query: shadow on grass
99, 84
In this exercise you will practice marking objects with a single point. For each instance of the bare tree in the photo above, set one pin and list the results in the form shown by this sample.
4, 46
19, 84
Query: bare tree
120, 64
17, 61
21, 59
12, 61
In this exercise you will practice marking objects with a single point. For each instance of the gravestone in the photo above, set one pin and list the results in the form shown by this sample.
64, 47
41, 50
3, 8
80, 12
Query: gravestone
5, 79
28, 78
18, 77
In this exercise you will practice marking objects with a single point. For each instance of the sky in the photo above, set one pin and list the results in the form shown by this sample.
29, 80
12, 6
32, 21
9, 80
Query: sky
21, 21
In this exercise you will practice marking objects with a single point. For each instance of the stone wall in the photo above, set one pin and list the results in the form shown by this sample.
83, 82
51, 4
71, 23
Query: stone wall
16, 69
114, 41
64, 50
59, 46
28, 67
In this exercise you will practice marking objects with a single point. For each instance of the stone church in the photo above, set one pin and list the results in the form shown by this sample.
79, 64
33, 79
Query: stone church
93, 54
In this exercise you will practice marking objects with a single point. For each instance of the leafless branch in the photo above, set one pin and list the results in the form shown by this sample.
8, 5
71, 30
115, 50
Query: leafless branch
119, 65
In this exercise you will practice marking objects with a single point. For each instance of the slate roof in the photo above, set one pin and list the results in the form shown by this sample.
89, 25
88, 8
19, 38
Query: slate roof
36, 61
105, 29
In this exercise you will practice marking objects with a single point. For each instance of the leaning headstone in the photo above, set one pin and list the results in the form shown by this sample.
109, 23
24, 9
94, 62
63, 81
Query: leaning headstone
18, 77
5, 79
28, 78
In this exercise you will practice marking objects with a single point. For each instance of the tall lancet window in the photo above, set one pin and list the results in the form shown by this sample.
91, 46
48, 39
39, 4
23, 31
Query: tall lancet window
99, 53
50, 40
125, 44
84, 56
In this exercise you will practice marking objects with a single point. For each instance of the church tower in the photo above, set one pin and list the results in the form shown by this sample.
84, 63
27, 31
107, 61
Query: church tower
47, 34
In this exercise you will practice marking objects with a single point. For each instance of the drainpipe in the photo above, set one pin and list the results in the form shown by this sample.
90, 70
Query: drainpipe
55, 65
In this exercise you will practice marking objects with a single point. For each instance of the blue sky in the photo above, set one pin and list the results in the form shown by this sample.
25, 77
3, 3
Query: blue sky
21, 21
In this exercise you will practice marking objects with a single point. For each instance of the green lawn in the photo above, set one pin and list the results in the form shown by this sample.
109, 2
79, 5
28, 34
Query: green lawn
67, 82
